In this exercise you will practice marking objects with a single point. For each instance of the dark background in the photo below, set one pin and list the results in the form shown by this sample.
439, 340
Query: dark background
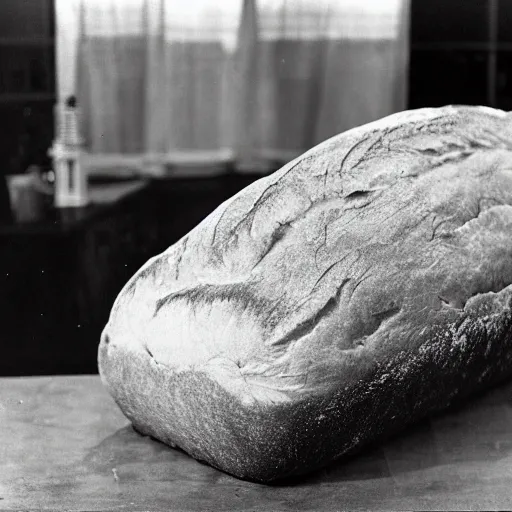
60, 276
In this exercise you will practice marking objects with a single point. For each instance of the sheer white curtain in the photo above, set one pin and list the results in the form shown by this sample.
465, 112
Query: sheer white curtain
315, 68
254, 82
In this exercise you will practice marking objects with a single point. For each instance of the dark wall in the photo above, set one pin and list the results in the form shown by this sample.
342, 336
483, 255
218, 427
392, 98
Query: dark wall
27, 83
461, 52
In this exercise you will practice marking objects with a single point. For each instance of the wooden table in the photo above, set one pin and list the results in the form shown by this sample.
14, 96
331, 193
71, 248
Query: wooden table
64, 445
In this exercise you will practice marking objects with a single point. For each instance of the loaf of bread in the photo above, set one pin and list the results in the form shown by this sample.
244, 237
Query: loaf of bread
361, 287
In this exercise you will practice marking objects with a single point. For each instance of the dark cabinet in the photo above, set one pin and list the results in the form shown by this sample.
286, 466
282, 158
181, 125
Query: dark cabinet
59, 277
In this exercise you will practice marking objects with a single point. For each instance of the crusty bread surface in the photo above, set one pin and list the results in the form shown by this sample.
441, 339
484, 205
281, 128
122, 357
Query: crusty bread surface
361, 287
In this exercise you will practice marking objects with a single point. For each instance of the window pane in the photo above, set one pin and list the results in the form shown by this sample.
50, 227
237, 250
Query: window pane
449, 20
441, 77
505, 21
504, 81
26, 69
27, 133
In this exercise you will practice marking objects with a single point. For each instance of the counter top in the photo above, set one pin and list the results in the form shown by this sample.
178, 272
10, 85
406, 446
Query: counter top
48, 220
64, 445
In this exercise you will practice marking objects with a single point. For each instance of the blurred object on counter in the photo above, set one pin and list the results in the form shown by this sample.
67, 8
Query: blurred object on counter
26, 202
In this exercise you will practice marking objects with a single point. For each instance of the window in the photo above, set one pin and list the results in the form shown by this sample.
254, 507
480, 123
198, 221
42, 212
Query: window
461, 52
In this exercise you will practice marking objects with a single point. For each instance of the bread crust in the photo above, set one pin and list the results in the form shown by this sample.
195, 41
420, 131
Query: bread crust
359, 288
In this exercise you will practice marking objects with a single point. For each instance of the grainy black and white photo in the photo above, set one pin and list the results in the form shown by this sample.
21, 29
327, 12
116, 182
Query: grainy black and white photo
255, 255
